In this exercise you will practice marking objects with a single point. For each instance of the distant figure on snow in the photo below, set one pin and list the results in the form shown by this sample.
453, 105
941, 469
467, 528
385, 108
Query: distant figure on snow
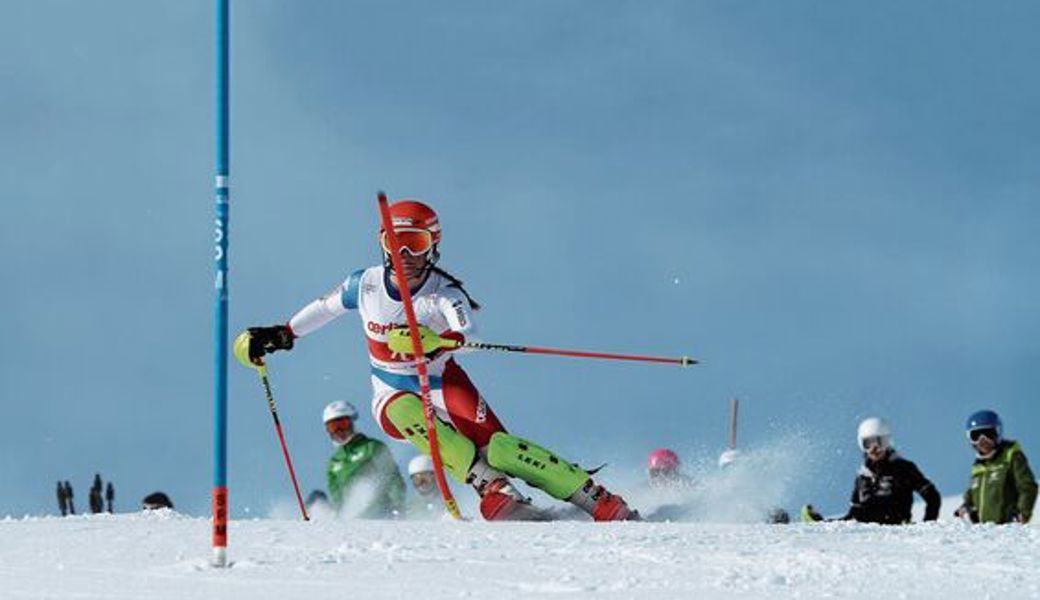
663, 470
68, 497
63, 501
156, 501
317, 498
884, 488
110, 495
96, 503
425, 504
1003, 488
420, 471
361, 472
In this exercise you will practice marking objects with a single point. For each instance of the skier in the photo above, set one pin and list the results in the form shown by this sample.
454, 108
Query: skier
424, 505
420, 471
884, 487
361, 472
474, 446
1003, 489
663, 470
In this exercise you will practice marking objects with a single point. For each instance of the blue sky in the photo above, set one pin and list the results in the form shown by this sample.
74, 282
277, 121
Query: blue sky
833, 206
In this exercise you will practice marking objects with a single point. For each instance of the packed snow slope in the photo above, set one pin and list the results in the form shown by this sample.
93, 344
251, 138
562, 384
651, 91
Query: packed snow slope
159, 556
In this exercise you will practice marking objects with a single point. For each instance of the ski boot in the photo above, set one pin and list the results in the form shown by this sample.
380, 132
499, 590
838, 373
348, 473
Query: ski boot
502, 502
499, 500
602, 505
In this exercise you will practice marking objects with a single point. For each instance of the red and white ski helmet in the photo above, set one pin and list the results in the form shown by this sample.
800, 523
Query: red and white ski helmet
663, 459
407, 215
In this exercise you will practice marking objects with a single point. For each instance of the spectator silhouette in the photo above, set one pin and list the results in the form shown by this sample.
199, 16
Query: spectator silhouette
63, 501
155, 501
96, 504
68, 497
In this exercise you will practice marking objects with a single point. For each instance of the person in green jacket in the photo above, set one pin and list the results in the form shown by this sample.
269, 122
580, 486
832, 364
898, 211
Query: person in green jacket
362, 475
1003, 489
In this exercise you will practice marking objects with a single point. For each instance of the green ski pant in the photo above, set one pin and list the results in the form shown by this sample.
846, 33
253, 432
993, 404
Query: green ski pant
508, 453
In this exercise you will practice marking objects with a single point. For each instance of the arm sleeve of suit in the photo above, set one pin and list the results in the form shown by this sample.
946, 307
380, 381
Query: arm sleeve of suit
457, 312
326, 309
1025, 483
854, 507
924, 487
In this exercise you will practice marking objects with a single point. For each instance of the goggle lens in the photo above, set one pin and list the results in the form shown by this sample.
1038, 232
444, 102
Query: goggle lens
988, 432
415, 241
340, 425
424, 480
875, 441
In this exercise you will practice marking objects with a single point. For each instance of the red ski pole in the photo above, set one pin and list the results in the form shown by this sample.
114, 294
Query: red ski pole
684, 361
417, 350
262, 372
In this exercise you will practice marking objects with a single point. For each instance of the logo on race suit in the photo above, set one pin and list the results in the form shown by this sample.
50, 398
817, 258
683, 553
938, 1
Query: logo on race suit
460, 312
368, 288
481, 410
380, 329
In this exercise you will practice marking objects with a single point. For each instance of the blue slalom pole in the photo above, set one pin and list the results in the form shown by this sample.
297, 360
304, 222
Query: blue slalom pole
220, 307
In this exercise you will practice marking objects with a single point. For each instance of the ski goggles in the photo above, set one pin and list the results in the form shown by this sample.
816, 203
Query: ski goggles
424, 481
987, 432
339, 425
874, 441
416, 241
661, 472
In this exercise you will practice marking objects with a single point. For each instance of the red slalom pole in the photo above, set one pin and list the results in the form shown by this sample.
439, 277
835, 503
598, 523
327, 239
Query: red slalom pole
262, 371
417, 351
684, 361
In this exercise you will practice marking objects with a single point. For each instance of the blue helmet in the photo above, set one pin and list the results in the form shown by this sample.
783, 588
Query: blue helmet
984, 419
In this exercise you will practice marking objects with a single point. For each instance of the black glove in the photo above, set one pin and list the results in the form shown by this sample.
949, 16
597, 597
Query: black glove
265, 340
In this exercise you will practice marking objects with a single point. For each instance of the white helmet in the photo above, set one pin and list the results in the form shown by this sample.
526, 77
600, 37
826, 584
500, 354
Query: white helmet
420, 464
873, 428
339, 409
728, 457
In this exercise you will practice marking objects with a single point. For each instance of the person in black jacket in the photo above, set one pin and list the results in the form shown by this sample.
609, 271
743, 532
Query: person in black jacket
884, 488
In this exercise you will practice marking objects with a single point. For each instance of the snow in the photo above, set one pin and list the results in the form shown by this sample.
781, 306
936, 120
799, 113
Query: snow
165, 555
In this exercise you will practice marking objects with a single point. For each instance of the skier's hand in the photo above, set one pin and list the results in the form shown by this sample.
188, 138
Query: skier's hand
809, 514
253, 343
399, 340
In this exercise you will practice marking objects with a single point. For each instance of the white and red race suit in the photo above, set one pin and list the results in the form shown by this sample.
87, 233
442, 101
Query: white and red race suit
439, 305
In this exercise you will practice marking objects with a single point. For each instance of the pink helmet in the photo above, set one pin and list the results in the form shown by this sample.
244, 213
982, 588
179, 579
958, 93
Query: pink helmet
663, 459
